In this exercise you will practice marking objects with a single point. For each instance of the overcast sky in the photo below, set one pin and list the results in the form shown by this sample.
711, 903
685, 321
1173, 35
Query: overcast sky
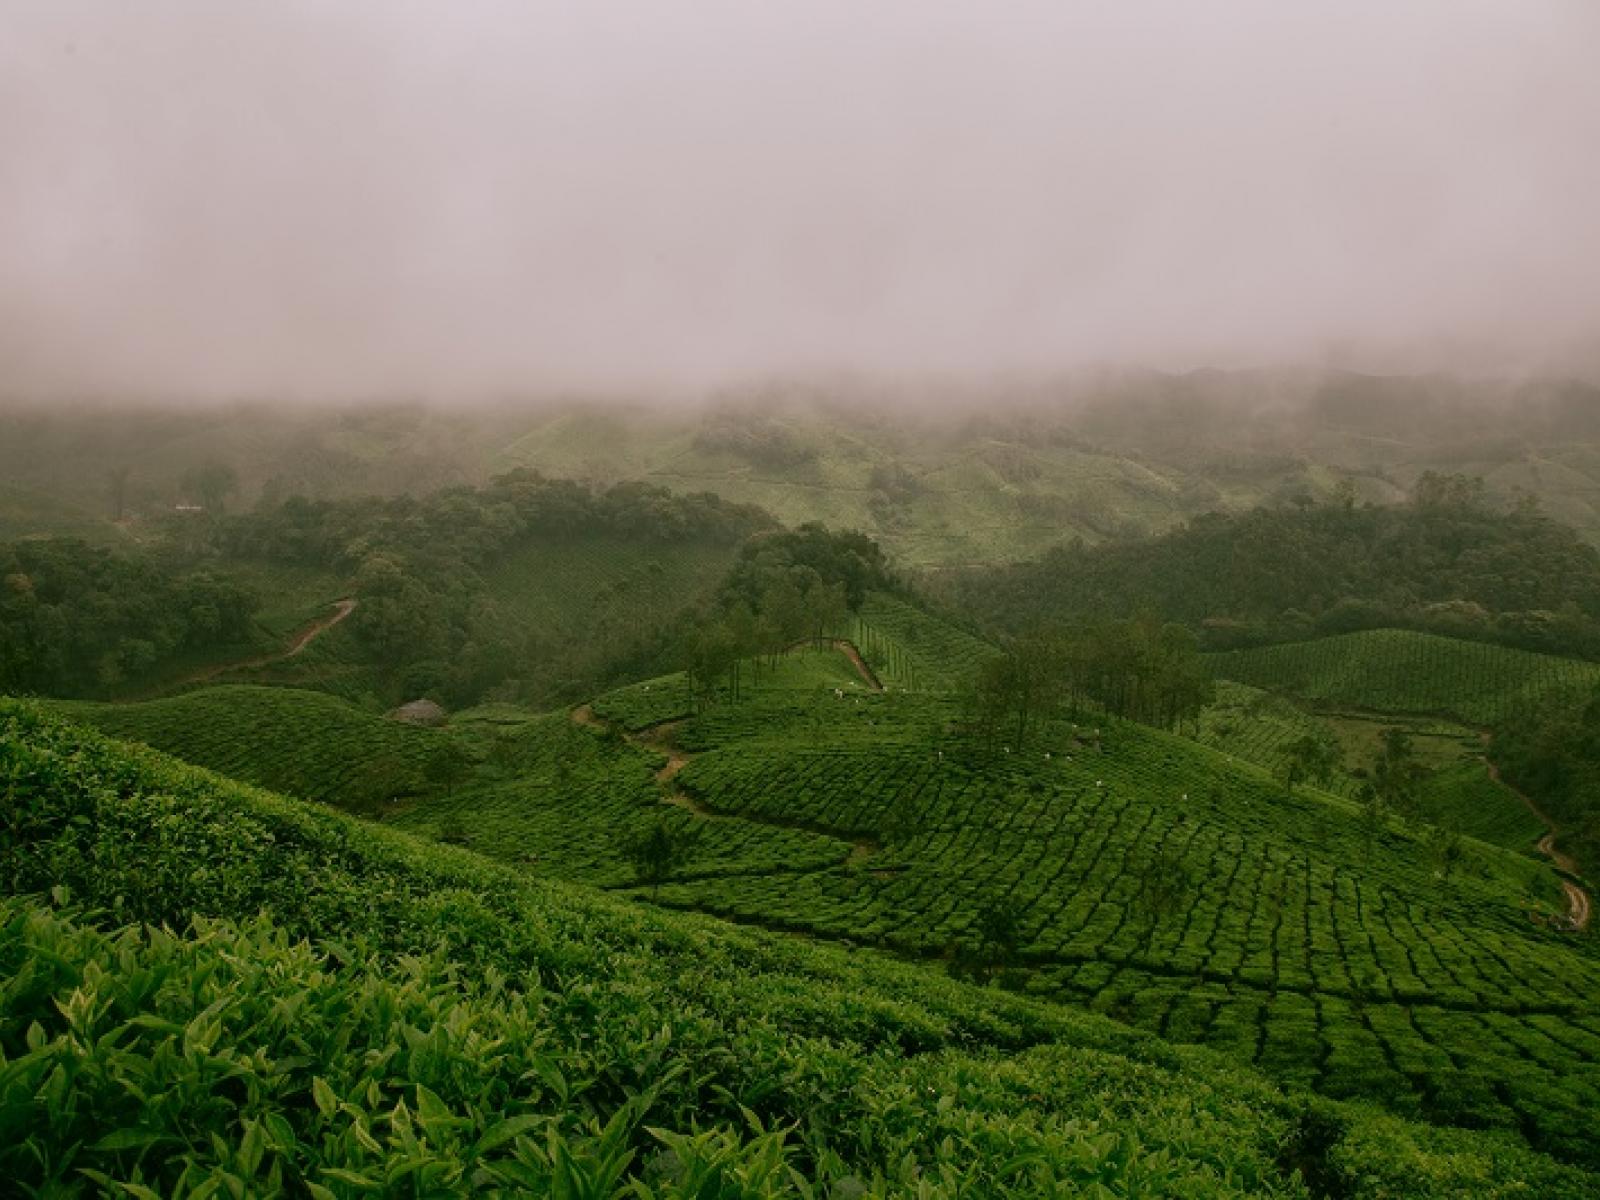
343, 197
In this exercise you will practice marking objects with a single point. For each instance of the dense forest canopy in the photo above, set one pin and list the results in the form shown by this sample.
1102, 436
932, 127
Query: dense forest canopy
1448, 561
76, 619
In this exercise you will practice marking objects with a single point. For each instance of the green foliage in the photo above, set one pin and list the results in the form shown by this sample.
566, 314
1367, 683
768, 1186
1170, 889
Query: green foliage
1392, 670
656, 853
598, 610
1448, 563
527, 586
808, 555
81, 620
1310, 757
337, 1010
1551, 750
1137, 669
302, 743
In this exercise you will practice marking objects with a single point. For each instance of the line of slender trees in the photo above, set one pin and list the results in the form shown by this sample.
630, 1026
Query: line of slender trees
1138, 668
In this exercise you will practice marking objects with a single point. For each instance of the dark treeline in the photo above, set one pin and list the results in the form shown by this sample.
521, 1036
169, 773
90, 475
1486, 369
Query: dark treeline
1447, 562
1551, 751
467, 527
80, 620
1140, 669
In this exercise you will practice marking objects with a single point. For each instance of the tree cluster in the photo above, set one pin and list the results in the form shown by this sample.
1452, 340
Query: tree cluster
80, 620
786, 588
417, 564
1448, 562
1551, 752
1140, 669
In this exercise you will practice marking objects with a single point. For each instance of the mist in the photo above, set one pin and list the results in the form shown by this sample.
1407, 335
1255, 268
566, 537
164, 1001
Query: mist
304, 199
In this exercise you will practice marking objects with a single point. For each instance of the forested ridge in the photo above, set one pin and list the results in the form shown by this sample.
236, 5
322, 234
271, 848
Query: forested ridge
82, 620
1448, 561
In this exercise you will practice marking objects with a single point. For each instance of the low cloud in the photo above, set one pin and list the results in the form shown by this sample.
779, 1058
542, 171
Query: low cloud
318, 199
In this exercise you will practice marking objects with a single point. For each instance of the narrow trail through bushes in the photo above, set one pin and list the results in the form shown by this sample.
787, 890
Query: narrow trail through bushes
1579, 906
297, 643
658, 739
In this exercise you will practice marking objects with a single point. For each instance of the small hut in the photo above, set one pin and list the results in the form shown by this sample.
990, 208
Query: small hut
419, 712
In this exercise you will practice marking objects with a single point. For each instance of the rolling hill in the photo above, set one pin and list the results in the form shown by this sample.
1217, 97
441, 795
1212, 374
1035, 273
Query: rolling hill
256, 993
1137, 873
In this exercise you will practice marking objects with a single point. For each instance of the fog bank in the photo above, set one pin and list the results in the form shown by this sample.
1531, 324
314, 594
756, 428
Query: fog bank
487, 198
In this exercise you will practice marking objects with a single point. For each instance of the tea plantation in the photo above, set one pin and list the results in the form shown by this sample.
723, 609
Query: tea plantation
1259, 727
303, 743
211, 990
1396, 670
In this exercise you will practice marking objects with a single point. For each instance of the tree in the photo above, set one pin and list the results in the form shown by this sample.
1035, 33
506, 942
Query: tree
449, 765
1163, 888
784, 608
655, 854
1447, 846
1310, 757
825, 608
997, 932
1397, 774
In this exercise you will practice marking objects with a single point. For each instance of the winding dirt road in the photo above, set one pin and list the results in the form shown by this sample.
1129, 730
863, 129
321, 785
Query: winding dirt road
848, 648
658, 738
1579, 906
301, 639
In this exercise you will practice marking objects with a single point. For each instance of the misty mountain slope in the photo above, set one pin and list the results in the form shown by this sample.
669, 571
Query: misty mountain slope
943, 473
880, 1073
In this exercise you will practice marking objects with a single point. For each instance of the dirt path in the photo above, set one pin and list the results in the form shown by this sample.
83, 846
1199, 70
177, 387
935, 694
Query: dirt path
658, 738
301, 639
848, 648
1579, 907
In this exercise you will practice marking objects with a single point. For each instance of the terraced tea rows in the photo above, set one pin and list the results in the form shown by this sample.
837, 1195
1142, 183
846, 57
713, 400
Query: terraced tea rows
1156, 881
301, 743
909, 648
566, 799
1393, 670
1258, 727
398, 1010
1147, 877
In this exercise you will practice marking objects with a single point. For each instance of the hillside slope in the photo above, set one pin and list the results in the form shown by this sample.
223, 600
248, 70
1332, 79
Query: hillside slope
1397, 670
405, 1015
302, 743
